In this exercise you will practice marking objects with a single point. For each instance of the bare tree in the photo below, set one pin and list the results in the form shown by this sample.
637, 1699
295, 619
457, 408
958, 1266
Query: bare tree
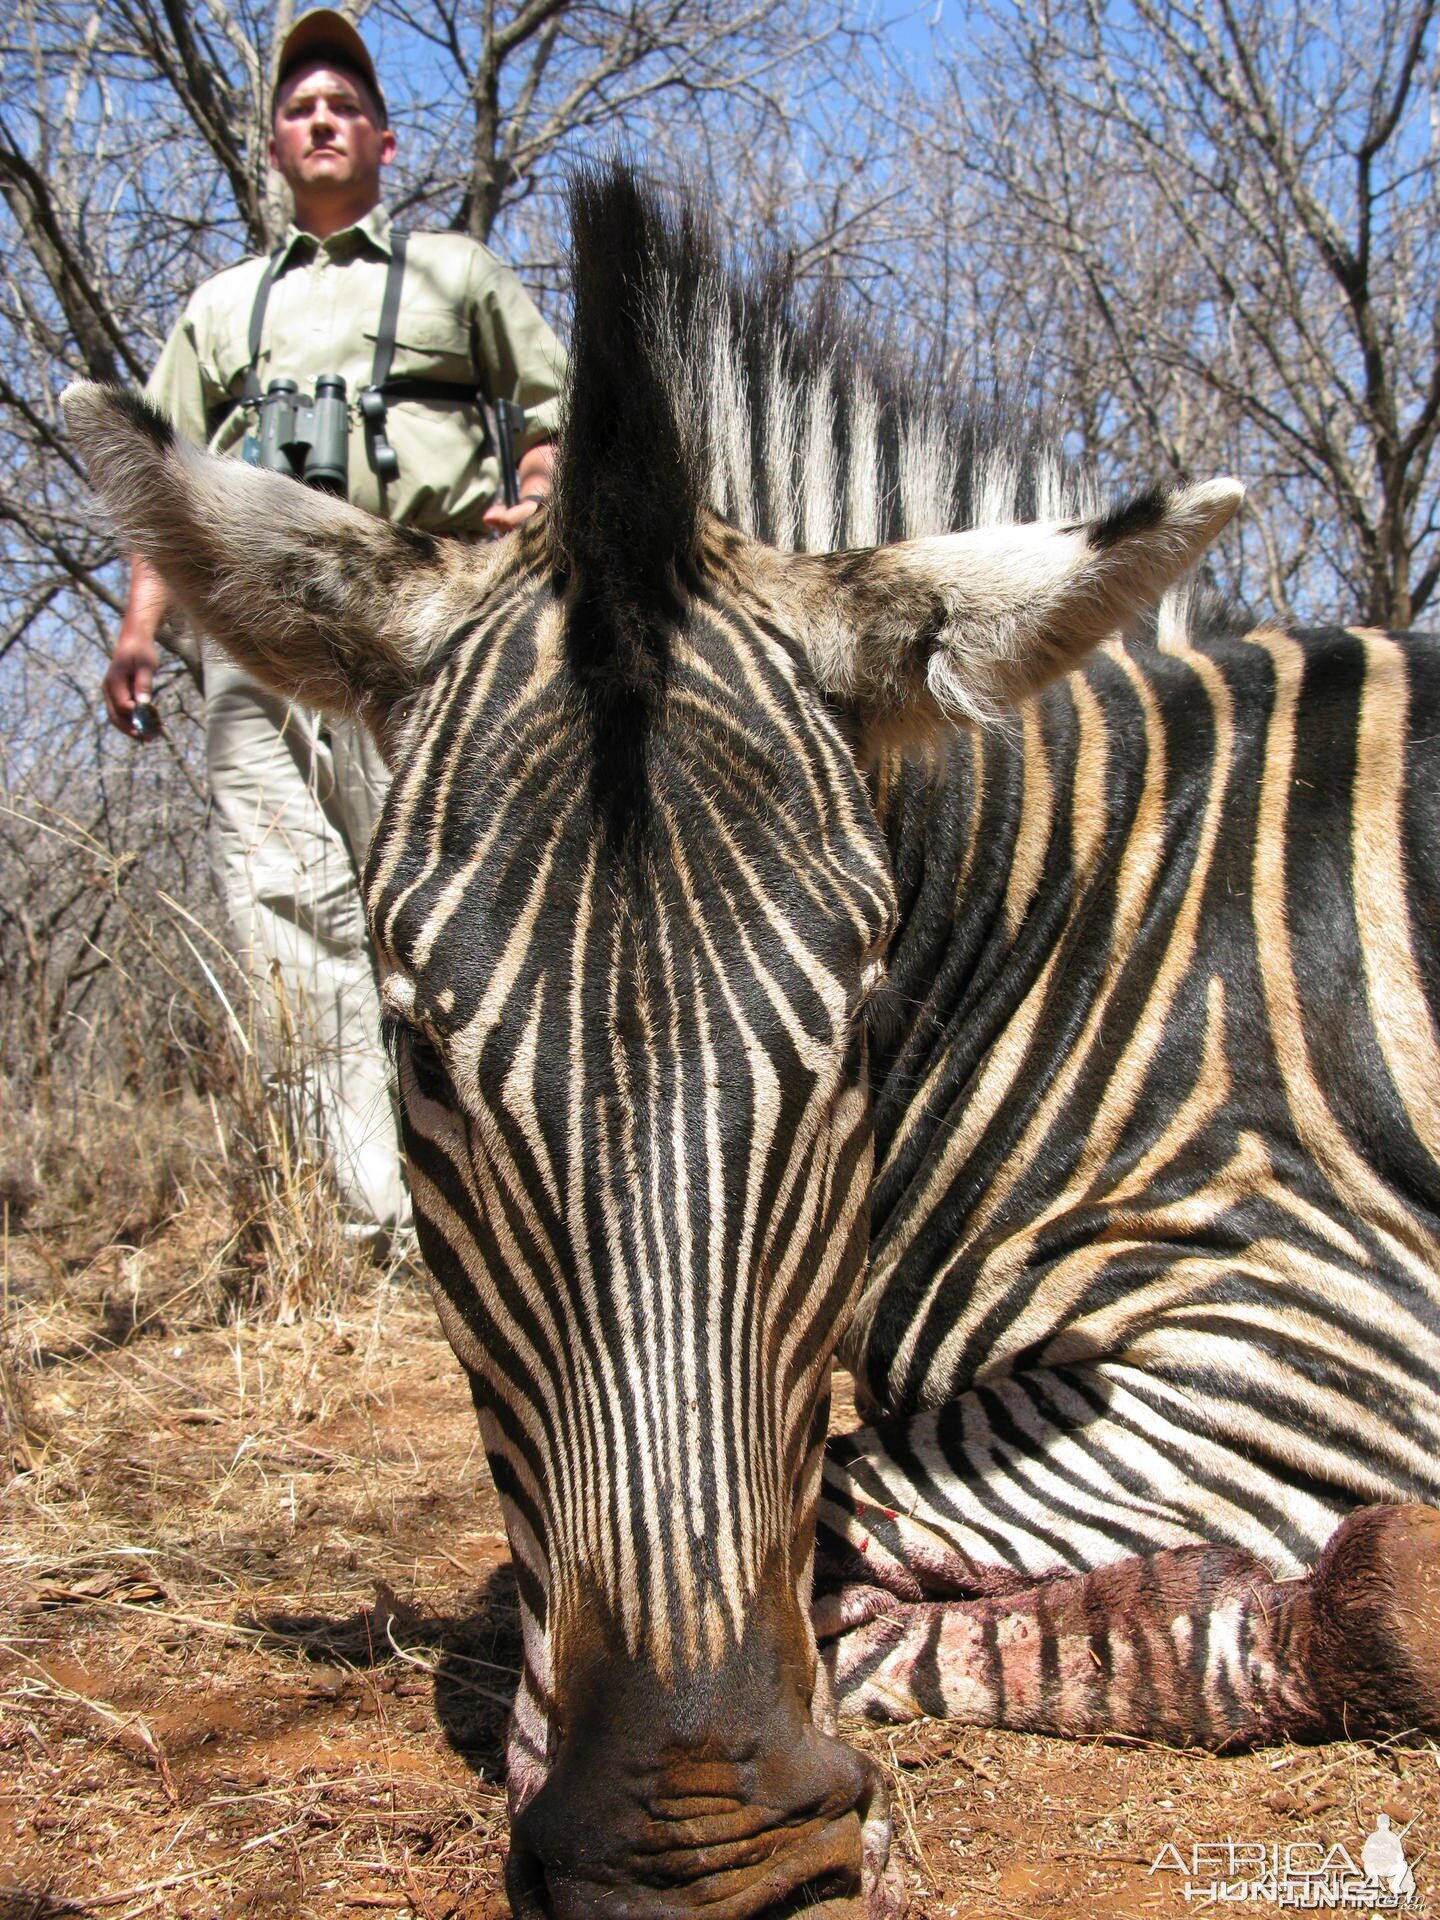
1210, 229
133, 163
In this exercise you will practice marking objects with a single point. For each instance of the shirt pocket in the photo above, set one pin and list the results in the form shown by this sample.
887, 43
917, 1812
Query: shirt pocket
228, 361
431, 344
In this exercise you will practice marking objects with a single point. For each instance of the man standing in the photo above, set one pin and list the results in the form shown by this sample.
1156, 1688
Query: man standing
294, 799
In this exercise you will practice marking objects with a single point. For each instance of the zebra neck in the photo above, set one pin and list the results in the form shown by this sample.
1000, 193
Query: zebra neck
996, 849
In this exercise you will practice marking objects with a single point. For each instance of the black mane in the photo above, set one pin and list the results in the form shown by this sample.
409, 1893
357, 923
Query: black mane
693, 388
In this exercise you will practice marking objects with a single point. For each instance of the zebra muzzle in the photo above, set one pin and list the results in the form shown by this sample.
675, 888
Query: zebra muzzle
701, 1845
710, 1793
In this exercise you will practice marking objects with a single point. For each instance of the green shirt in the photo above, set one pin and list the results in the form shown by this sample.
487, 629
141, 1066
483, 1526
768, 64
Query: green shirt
464, 317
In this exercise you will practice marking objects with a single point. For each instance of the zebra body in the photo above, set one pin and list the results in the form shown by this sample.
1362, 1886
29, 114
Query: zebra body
1149, 1270
1071, 1075
1096, 1161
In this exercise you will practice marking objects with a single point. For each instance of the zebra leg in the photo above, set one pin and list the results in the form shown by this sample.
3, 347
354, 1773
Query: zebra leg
1192, 1645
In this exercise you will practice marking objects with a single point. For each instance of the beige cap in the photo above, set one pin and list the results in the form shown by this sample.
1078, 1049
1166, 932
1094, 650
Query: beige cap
323, 31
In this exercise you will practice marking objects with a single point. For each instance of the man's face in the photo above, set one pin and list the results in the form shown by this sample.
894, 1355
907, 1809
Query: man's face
327, 137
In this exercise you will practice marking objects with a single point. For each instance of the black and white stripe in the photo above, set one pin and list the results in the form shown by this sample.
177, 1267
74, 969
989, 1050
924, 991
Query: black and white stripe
636, 1119
1157, 1208
1076, 1076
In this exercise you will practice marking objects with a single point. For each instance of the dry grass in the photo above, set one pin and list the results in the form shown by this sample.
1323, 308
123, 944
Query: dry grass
243, 1578
187, 1078
257, 1632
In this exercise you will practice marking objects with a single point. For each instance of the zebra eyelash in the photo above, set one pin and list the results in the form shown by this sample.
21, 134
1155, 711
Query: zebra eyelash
427, 1066
390, 1031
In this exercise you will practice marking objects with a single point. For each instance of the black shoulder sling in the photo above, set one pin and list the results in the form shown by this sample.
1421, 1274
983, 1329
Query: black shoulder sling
372, 399
250, 386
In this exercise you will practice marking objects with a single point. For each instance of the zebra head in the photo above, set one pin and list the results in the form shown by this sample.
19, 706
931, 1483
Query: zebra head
628, 896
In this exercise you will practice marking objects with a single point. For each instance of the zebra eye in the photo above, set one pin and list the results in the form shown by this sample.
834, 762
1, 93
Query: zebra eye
432, 1082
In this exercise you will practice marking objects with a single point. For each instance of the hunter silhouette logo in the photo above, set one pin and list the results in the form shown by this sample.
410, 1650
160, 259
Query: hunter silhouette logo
1383, 1858
1300, 1875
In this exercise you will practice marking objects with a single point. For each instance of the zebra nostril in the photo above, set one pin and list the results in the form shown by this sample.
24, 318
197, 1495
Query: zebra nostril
525, 1883
833, 1893
711, 1794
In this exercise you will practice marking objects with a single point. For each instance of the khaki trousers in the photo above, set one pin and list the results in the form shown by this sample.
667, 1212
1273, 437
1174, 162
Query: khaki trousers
293, 803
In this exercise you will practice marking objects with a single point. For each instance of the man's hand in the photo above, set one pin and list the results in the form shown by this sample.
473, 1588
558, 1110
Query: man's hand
503, 519
533, 473
129, 678
136, 658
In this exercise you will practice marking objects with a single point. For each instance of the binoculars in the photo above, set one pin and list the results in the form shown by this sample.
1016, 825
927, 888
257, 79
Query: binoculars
307, 439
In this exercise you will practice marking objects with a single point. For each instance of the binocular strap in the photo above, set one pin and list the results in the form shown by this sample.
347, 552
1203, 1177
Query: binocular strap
372, 402
372, 399
250, 389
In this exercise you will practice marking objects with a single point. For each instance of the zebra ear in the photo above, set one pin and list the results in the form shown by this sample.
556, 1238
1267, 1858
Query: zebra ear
309, 594
967, 624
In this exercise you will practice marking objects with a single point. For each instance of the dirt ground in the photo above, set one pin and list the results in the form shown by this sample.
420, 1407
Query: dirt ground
257, 1638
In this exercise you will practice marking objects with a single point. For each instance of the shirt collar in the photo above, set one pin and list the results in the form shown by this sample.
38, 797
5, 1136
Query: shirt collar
372, 233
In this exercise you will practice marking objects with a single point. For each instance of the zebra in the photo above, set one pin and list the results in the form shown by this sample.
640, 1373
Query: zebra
809, 931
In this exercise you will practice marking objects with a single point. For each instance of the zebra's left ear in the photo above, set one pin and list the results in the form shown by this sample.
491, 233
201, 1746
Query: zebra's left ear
965, 625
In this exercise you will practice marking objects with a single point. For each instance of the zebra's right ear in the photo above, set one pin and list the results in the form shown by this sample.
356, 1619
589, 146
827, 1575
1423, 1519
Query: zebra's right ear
311, 595
966, 625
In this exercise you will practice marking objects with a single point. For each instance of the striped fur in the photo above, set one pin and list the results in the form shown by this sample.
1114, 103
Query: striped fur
1075, 1079
1156, 1252
723, 1100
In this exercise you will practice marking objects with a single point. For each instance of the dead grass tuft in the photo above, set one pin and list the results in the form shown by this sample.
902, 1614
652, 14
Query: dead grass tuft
288, 1248
204, 1090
